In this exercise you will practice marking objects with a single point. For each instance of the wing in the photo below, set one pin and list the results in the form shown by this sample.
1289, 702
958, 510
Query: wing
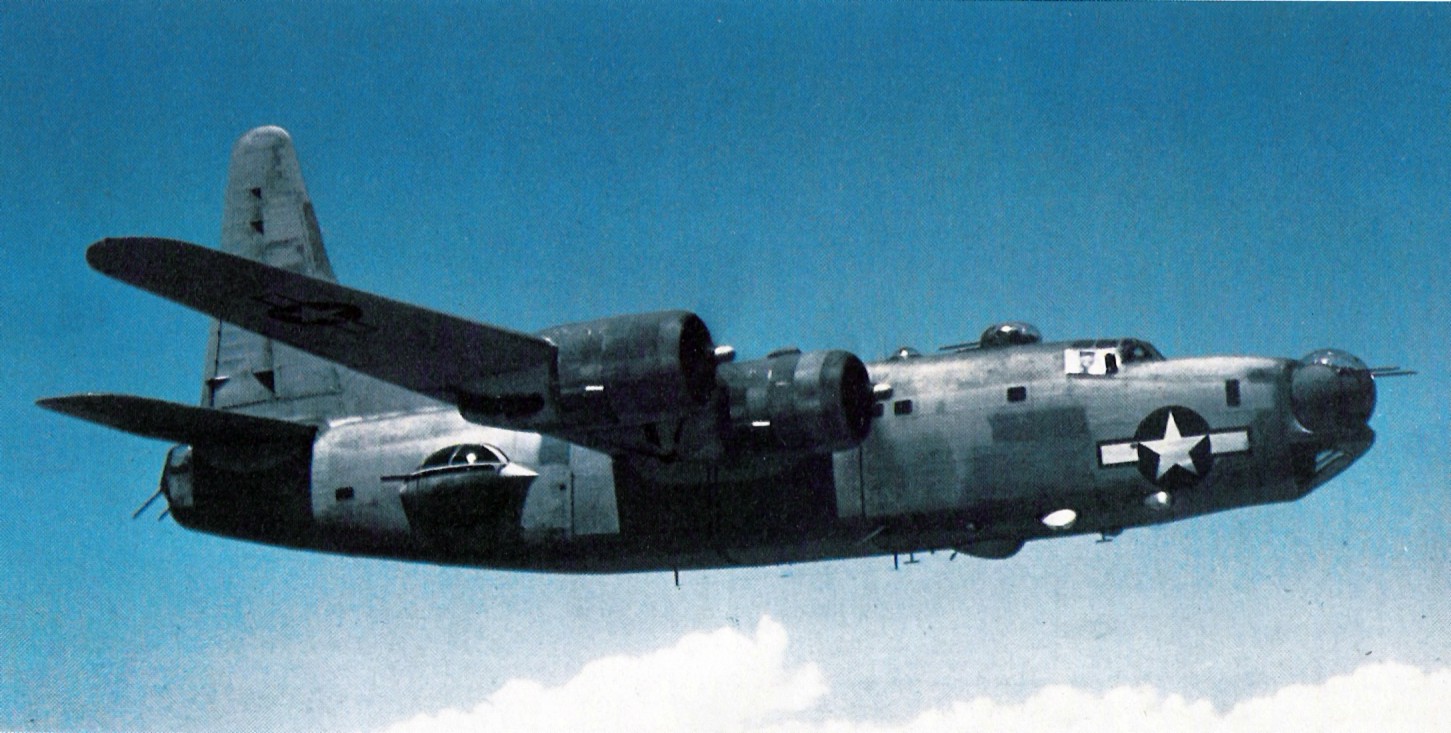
439, 355
177, 423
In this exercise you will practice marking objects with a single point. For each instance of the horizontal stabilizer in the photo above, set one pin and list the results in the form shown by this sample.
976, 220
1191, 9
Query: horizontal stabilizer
177, 423
429, 352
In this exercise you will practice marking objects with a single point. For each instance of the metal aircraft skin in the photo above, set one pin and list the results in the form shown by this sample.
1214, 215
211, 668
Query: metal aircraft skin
340, 421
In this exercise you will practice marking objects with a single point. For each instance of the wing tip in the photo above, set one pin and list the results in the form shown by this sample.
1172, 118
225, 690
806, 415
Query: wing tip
112, 255
54, 404
115, 256
82, 406
101, 255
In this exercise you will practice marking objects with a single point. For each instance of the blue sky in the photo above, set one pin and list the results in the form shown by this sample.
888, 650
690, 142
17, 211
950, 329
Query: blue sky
1216, 179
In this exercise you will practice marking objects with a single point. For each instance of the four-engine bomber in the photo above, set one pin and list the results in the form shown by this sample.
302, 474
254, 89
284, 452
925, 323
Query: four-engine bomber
337, 420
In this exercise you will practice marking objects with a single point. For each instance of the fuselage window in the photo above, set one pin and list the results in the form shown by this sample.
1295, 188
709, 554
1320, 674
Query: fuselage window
1090, 361
902, 407
1017, 394
1103, 358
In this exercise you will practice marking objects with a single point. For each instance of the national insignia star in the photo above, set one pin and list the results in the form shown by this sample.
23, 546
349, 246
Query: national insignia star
1173, 449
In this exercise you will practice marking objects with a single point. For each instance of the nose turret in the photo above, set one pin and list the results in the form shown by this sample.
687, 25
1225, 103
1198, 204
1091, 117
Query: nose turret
1332, 391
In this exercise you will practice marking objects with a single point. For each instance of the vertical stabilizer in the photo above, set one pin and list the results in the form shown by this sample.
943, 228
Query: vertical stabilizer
268, 217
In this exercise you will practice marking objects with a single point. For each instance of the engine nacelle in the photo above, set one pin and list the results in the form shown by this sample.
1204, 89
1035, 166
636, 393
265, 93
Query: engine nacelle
819, 401
633, 370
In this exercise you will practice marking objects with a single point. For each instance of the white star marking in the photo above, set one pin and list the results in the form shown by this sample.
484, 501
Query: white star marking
1173, 449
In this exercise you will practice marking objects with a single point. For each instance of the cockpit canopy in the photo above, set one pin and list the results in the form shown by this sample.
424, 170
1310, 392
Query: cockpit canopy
1104, 356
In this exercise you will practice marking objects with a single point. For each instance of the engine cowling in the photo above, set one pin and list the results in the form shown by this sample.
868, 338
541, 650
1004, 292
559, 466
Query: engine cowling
633, 370
819, 401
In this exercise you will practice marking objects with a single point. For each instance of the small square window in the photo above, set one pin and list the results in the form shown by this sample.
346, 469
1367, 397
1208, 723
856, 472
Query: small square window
902, 407
346, 493
1017, 394
877, 410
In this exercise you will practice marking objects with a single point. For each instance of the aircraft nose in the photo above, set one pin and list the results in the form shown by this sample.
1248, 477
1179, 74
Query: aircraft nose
1332, 391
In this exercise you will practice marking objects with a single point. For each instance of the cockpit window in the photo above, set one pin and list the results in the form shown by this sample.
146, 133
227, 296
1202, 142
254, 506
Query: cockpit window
1103, 358
1133, 350
464, 455
1090, 361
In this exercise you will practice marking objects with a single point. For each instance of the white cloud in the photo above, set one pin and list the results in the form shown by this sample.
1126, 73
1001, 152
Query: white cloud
728, 682
721, 681
1377, 698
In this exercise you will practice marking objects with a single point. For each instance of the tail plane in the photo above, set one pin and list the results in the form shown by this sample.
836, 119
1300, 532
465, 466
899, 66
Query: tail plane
152, 418
267, 217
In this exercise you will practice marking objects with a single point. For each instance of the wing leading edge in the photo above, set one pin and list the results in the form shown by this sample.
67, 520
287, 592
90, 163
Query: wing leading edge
443, 356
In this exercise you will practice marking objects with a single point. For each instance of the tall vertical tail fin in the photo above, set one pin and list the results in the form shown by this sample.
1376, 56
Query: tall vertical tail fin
268, 217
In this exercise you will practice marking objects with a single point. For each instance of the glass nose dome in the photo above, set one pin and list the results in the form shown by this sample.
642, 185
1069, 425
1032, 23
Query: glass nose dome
1332, 390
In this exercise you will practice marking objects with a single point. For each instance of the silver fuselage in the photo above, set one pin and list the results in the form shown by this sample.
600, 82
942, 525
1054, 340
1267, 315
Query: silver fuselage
971, 452
339, 420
